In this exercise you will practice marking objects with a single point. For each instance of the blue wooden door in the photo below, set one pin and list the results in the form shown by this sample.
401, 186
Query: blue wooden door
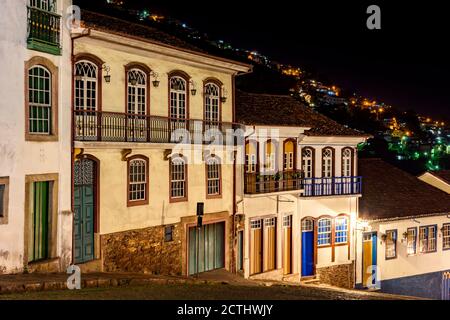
307, 247
84, 196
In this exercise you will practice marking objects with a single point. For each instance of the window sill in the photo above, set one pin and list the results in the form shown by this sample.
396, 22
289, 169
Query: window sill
40, 137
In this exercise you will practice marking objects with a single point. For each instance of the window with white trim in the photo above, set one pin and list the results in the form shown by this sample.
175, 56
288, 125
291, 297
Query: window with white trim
86, 86
307, 225
327, 163
250, 157
212, 98
137, 188
178, 96
47, 5
391, 244
411, 241
307, 162
446, 236
178, 178
255, 224
137, 92
40, 100
324, 232
347, 163
427, 239
287, 221
341, 230
270, 160
270, 222
288, 156
213, 171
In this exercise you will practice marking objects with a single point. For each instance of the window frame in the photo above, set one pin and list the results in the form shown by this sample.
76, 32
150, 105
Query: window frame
52, 5
344, 164
289, 157
408, 241
4, 214
219, 85
325, 165
330, 232
178, 199
134, 203
207, 179
395, 232
53, 70
171, 228
346, 231
184, 76
434, 226
444, 237
311, 158
251, 159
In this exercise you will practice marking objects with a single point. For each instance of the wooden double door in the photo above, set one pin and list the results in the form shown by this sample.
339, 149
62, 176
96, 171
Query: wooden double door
263, 242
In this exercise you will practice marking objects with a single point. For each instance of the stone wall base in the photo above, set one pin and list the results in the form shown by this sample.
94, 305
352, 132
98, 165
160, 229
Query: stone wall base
143, 250
342, 275
274, 275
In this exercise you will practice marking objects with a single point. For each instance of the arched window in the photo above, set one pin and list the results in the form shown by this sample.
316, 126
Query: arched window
251, 151
270, 162
308, 162
86, 86
324, 232
347, 162
136, 92
289, 155
212, 102
178, 179
137, 180
213, 177
40, 100
178, 97
327, 163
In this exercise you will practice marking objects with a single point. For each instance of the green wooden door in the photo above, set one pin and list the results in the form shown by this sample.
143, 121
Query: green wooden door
40, 221
211, 248
84, 196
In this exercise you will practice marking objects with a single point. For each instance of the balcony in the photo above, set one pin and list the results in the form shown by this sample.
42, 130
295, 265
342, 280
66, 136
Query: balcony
337, 186
256, 183
98, 126
44, 28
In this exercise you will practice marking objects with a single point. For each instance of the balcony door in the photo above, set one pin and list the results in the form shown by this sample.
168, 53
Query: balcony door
178, 108
212, 108
137, 96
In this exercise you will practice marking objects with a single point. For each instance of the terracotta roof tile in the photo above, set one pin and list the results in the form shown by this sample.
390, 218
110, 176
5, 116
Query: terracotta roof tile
389, 192
283, 110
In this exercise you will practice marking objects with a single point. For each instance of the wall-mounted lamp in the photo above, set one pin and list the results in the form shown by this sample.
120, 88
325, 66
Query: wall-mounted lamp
224, 96
156, 81
107, 76
193, 87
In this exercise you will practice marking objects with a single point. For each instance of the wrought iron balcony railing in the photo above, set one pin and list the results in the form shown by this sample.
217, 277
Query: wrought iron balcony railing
315, 187
44, 31
257, 183
123, 127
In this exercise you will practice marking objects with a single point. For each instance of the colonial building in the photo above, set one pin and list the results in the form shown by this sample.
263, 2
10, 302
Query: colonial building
137, 93
298, 201
403, 234
35, 206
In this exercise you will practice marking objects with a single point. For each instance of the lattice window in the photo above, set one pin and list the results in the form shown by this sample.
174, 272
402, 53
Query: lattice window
341, 230
47, 5
137, 92
287, 221
347, 163
137, 180
411, 241
427, 239
40, 100
327, 163
250, 157
214, 175
84, 172
324, 232
178, 94
255, 224
446, 236
391, 244
307, 162
178, 178
270, 222
270, 156
212, 98
86, 86
307, 225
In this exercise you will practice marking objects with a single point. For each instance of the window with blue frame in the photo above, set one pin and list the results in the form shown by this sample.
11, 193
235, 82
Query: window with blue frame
324, 232
427, 239
341, 230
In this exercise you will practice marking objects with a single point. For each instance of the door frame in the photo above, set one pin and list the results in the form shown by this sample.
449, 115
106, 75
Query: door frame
314, 249
96, 203
372, 233
53, 179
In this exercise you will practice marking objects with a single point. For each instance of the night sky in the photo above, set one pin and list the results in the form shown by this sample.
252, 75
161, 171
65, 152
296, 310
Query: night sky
405, 64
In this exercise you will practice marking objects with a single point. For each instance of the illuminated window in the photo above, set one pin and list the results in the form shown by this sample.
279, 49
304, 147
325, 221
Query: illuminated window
391, 244
307, 162
341, 230
270, 156
427, 239
327, 163
137, 92
446, 236
347, 163
212, 98
250, 157
178, 94
288, 156
411, 245
324, 232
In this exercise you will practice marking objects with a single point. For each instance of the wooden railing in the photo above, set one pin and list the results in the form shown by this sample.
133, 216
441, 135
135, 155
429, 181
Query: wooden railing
282, 181
44, 26
314, 187
123, 127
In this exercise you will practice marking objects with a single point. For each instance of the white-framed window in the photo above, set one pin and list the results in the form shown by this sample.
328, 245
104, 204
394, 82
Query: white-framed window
213, 171
137, 175
178, 178
270, 222
427, 239
212, 102
391, 244
47, 5
341, 230
347, 162
324, 232
136, 92
255, 224
270, 156
446, 236
40, 100
86, 86
307, 225
411, 241
287, 221
178, 96
327, 163
307, 162
250, 162
288, 156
